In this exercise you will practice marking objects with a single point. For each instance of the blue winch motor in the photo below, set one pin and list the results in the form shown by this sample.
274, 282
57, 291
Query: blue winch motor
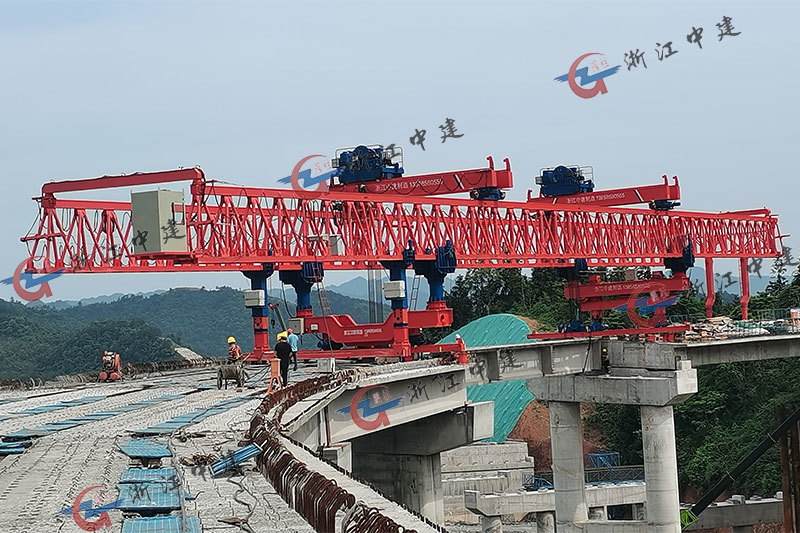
561, 181
366, 164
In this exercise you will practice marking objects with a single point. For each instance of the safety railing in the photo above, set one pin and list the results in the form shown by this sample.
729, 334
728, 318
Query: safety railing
616, 474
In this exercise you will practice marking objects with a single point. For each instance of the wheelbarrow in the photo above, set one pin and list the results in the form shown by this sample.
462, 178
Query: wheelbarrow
232, 372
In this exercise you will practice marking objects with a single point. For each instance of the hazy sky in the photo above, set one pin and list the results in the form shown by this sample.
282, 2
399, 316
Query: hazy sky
245, 89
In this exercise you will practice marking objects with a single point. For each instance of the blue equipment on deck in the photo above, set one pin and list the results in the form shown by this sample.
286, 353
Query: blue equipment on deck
234, 459
364, 163
561, 181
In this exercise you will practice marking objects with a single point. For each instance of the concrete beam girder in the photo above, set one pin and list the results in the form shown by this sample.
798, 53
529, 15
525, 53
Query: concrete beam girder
533, 360
611, 526
537, 359
649, 388
752, 512
434, 434
545, 500
376, 403
744, 349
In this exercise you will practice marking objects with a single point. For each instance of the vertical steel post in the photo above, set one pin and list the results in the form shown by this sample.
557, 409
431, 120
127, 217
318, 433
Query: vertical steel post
744, 275
786, 484
258, 281
795, 473
710, 288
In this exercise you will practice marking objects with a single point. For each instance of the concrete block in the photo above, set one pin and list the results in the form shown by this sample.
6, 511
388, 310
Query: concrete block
649, 355
394, 289
254, 298
327, 365
340, 455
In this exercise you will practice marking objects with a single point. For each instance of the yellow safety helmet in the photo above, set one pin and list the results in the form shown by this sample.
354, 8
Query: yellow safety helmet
231, 339
282, 335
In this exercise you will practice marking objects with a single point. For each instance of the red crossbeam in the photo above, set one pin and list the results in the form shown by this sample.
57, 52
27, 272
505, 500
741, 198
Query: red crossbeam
456, 181
640, 194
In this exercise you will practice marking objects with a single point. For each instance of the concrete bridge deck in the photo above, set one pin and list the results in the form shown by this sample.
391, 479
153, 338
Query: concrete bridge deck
387, 425
44, 480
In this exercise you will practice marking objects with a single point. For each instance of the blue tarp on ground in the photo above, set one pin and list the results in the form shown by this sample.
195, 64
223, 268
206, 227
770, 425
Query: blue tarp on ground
162, 524
149, 497
145, 448
47, 429
194, 417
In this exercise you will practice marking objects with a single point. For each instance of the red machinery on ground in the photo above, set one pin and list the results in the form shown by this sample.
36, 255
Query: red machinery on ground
112, 367
300, 234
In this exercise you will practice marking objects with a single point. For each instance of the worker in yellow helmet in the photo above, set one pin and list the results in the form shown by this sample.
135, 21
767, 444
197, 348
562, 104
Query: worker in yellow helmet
234, 352
284, 352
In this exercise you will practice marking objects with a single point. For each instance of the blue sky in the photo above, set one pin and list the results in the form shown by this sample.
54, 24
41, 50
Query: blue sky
246, 89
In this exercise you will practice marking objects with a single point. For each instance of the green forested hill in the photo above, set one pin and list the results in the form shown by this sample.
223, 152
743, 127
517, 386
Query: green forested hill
43, 343
37, 341
203, 319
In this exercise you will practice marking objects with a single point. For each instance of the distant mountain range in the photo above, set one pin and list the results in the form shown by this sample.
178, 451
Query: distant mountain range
107, 298
725, 283
358, 288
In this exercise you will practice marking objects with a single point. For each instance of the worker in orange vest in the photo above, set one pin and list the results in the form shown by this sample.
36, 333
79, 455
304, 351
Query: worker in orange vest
234, 352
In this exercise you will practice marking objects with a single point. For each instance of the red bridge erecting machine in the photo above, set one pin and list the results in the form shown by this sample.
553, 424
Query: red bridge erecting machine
301, 234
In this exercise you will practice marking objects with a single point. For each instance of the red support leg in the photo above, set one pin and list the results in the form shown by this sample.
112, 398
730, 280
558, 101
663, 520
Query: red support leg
744, 275
401, 342
710, 294
260, 337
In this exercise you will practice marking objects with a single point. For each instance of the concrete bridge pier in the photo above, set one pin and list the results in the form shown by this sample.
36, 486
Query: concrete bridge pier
491, 524
660, 469
566, 434
545, 522
404, 461
413, 480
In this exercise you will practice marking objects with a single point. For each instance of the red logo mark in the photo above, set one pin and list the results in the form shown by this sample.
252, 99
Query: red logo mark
658, 293
322, 186
599, 85
367, 425
42, 292
103, 521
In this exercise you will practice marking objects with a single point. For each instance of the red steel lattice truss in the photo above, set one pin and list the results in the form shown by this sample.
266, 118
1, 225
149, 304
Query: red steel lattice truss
233, 228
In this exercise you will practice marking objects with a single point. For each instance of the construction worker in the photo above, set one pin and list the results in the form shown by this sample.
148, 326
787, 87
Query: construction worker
234, 352
284, 352
108, 360
293, 341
